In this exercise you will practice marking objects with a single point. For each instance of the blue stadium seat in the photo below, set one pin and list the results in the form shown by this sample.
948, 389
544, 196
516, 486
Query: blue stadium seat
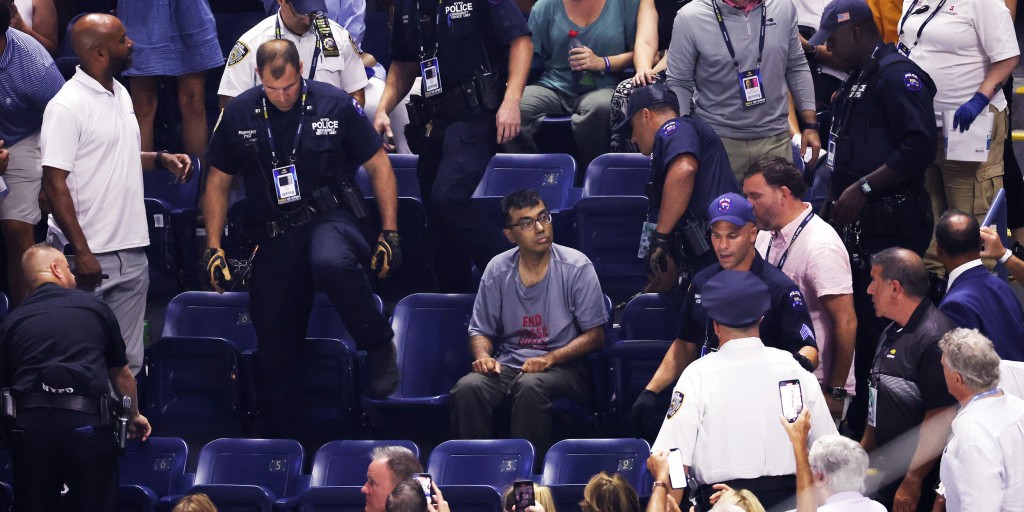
6, 470
650, 316
169, 202
617, 174
250, 474
575, 461
5, 306
329, 390
631, 365
431, 332
491, 462
567, 496
6, 496
472, 498
608, 231
333, 499
416, 272
551, 175
149, 471
405, 175
344, 463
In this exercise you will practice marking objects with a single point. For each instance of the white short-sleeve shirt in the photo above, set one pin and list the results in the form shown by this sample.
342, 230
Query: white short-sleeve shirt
724, 415
819, 264
93, 134
959, 45
983, 465
345, 71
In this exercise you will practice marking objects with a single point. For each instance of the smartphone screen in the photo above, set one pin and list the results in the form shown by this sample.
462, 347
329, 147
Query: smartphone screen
425, 481
523, 492
676, 471
792, 398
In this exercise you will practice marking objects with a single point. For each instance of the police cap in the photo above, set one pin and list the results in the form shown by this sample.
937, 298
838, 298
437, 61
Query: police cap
732, 208
735, 298
647, 97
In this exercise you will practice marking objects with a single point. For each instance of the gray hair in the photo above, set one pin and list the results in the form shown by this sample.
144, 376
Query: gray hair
843, 462
969, 353
906, 267
401, 461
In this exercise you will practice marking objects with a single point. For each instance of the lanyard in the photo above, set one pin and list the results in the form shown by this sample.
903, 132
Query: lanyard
847, 91
316, 52
925, 23
782, 260
984, 394
728, 41
298, 132
437, 28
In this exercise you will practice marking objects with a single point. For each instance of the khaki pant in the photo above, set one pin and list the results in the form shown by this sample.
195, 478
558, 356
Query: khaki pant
743, 153
967, 186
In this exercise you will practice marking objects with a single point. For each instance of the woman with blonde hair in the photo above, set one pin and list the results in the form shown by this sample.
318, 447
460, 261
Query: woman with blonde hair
609, 493
195, 503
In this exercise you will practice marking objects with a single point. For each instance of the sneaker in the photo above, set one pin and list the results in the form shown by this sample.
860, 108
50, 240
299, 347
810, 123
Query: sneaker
382, 360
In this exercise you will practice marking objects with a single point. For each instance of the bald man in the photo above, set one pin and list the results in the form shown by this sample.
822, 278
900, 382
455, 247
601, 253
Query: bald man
92, 175
57, 373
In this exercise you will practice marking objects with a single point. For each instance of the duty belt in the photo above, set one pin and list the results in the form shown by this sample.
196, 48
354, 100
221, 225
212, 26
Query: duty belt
322, 200
53, 401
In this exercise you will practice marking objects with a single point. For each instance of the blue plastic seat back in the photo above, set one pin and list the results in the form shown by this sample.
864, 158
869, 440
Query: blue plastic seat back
472, 498
405, 176
632, 364
5, 306
193, 384
211, 314
161, 184
431, 332
6, 469
567, 496
157, 464
551, 175
344, 463
334, 499
617, 174
575, 461
275, 464
608, 231
493, 462
324, 321
328, 384
651, 316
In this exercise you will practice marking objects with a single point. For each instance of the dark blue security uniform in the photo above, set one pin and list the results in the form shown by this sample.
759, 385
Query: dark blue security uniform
786, 326
469, 38
314, 244
690, 135
61, 343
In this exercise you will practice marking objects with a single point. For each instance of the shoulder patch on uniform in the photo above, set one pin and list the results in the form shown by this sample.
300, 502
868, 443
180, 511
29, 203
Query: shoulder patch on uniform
912, 82
676, 404
238, 52
796, 300
359, 108
806, 332
669, 128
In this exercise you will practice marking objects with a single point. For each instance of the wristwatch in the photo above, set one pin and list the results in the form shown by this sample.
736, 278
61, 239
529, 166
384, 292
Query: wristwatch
865, 186
659, 484
837, 393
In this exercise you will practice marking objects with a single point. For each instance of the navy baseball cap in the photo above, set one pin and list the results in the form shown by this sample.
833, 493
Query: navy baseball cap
840, 12
735, 298
732, 208
647, 97
308, 6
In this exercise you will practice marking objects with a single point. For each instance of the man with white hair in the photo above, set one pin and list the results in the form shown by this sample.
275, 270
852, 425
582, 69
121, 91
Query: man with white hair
389, 465
981, 466
831, 477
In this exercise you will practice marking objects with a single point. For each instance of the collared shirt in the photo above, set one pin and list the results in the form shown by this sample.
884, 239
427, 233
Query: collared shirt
93, 134
960, 270
745, 9
725, 410
850, 502
28, 80
350, 14
982, 464
820, 265
345, 71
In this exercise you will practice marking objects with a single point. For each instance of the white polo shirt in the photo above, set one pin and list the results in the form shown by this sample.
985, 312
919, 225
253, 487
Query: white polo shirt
958, 46
93, 134
983, 465
345, 71
850, 502
724, 415
819, 264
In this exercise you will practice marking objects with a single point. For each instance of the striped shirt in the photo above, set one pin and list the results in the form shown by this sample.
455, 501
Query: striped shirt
28, 80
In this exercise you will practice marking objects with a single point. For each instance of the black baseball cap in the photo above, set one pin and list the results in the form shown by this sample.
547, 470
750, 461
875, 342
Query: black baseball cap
840, 12
647, 97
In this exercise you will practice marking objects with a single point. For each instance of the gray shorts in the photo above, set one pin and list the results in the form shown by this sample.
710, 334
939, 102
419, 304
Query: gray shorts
24, 178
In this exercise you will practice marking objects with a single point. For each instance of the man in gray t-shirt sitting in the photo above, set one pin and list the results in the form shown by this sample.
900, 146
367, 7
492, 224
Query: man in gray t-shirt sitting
539, 310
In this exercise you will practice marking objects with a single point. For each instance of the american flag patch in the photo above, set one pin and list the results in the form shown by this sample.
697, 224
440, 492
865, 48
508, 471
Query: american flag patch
844, 16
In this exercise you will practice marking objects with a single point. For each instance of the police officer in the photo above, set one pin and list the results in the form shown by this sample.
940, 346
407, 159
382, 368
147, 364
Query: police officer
297, 143
689, 167
787, 322
60, 350
881, 141
469, 104
725, 410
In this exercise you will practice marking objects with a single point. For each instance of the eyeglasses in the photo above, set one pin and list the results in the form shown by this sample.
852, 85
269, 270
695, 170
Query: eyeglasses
528, 224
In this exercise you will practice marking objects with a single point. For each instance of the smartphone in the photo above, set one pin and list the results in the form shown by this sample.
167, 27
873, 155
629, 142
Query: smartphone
676, 471
522, 490
425, 482
792, 397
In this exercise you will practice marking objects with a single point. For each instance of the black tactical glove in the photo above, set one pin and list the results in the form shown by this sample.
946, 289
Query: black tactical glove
644, 404
657, 258
388, 255
217, 269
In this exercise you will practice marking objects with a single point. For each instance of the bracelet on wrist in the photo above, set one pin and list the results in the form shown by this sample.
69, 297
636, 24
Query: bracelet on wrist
663, 485
607, 66
1006, 256
159, 161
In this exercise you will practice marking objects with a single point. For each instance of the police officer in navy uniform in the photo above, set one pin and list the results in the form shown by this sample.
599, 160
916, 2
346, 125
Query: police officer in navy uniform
470, 103
297, 143
786, 325
689, 167
882, 139
59, 352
